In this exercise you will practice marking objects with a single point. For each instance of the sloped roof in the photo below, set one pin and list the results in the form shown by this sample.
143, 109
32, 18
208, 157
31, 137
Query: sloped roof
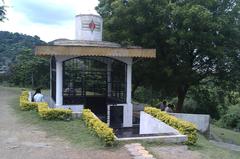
92, 48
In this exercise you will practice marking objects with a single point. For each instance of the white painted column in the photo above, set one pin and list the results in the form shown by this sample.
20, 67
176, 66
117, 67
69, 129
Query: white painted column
129, 82
109, 84
128, 108
59, 83
50, 93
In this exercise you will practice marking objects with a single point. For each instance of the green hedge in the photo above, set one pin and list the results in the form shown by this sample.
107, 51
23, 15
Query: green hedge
98, 127
55, 114
43, 110
25, 104
182, 126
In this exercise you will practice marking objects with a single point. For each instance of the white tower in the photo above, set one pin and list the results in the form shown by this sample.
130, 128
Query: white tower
89, 27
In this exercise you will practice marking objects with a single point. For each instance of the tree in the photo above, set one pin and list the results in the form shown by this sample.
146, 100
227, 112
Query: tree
194, 39
29, 70
2, 12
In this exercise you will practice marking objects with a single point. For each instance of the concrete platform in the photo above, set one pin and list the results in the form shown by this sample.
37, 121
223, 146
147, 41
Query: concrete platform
164, 139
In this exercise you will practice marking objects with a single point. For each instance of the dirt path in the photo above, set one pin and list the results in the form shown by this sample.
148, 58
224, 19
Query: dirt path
23, 141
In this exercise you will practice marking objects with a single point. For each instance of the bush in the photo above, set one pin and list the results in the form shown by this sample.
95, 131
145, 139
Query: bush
182, 126
55, 114
25, 104
231, 119
99, 128
43, 110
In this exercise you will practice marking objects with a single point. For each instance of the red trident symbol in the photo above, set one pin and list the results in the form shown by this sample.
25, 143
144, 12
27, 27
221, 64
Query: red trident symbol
92, 26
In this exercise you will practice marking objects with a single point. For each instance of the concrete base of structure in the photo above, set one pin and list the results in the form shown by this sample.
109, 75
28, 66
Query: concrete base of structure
74, 108
164, 139
76, 115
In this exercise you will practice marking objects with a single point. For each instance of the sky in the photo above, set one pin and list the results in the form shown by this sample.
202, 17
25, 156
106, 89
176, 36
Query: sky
48, 19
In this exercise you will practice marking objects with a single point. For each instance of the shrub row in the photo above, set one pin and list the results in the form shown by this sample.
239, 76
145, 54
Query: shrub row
182, 126
99, 128
25, 104
53, 114
43, 110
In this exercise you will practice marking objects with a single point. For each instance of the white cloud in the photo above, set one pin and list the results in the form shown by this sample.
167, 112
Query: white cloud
20, 21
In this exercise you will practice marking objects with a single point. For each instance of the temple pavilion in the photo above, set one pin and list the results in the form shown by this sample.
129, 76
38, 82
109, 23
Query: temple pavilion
91, 73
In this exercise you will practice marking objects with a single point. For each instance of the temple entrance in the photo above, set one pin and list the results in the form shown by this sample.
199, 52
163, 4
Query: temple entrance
94, 82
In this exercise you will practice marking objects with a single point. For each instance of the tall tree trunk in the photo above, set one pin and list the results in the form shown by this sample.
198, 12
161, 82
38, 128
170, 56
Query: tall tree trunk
182, 91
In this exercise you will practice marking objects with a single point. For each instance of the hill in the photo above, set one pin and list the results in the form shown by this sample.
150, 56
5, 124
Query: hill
11, 44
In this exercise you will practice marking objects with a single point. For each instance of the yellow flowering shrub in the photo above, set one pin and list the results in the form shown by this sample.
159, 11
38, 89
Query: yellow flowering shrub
55, 113
43, 110
184, 127
25, 104
99, 128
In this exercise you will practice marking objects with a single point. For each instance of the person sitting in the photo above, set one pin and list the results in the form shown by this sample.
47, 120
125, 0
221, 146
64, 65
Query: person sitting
169, 108
38, 97
163, 105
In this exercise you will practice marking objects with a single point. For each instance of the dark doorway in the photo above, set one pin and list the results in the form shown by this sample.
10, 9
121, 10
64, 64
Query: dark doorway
98, 106
116, 116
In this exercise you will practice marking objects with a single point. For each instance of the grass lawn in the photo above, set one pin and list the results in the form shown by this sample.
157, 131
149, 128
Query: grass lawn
226, 135
73, 131
211, 151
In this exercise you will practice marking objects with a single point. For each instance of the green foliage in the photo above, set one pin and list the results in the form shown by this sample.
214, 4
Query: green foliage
11, 44
145, 95
29, 70
194, 40
182, 126
207, 100
96, 126
23, 67
232, 118
2, 12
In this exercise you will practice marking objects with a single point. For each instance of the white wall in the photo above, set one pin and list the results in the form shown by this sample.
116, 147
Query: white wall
151, 125
202, 121
74, 108
83, 32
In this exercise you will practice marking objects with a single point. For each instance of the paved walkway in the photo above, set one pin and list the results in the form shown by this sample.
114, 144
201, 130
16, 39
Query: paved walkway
24, 141
137, 151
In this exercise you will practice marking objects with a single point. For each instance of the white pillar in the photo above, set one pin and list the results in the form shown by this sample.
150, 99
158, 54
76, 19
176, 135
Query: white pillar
129, 82
109, 83
128, 108
59, 83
